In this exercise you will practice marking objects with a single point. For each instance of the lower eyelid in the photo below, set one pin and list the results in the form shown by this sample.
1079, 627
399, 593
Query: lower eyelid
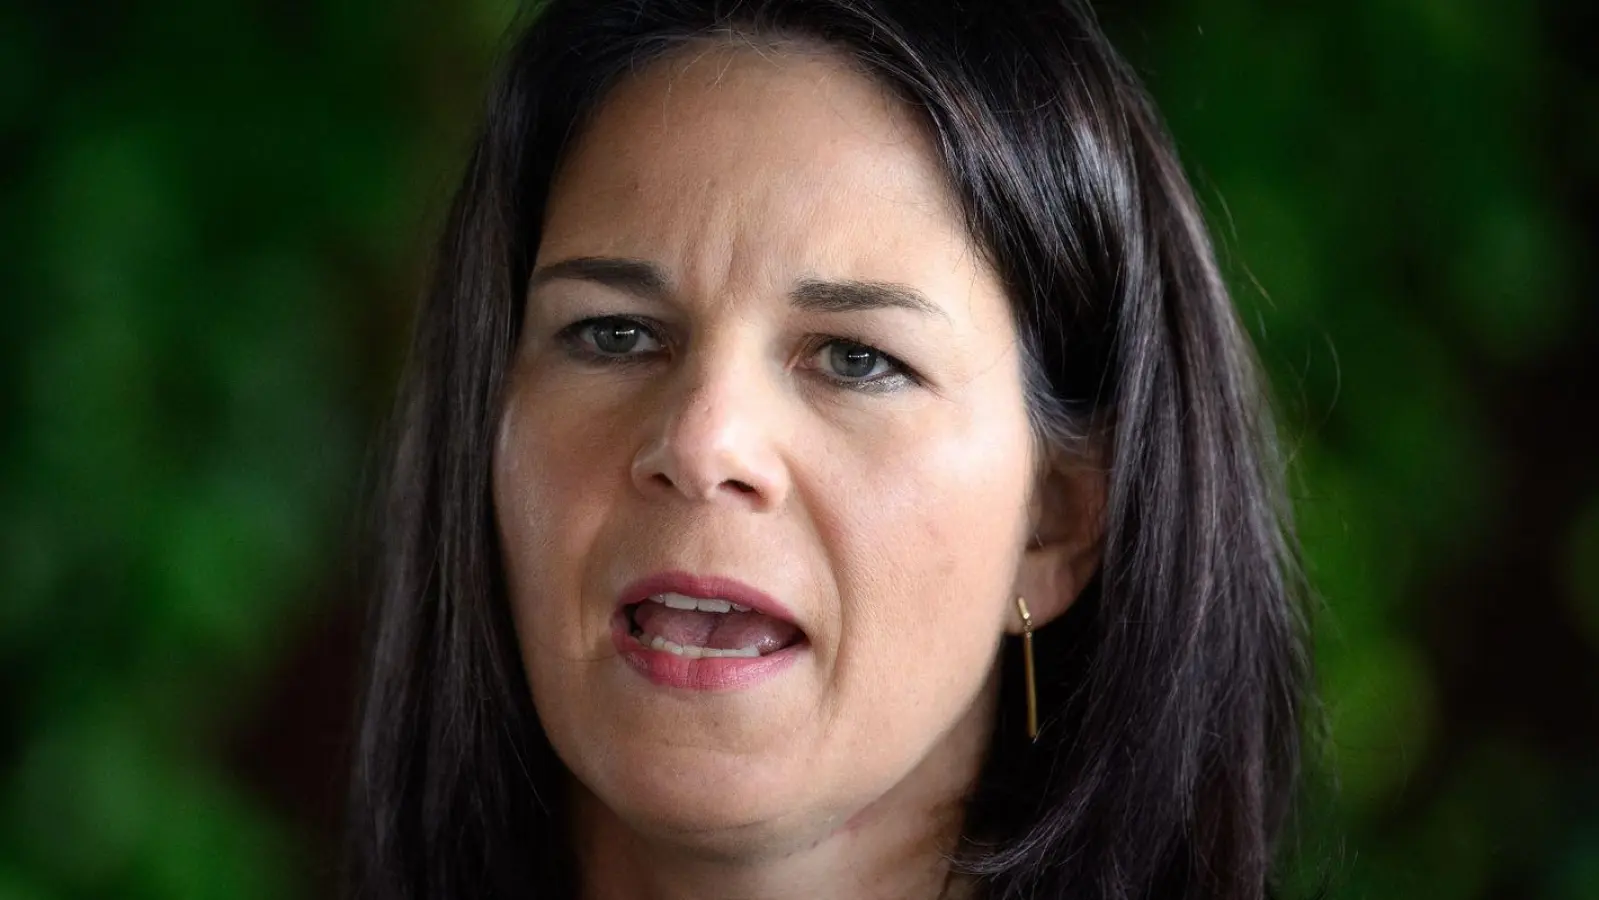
886, 385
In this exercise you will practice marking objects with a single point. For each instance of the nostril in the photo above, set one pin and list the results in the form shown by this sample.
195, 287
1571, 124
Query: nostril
687, 482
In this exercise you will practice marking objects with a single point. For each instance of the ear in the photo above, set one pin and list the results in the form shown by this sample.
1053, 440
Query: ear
1067, 517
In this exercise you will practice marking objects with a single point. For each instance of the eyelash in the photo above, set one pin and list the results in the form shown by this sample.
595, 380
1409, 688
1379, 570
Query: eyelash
572, 338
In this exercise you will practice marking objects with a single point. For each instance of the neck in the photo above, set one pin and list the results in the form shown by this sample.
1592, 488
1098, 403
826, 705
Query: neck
880, 865
896, 848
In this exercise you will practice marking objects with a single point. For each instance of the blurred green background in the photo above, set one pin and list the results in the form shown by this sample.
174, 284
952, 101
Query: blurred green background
213, 218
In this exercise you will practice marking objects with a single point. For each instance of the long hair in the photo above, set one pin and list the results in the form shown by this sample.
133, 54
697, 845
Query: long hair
1171, 692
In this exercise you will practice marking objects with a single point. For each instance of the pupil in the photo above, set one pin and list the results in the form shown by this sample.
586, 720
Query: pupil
615, 337
853, 360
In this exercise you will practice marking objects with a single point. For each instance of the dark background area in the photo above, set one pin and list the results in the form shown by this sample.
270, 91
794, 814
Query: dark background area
214, 219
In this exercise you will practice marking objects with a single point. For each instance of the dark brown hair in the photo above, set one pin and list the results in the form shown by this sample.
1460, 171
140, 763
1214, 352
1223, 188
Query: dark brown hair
1172, 691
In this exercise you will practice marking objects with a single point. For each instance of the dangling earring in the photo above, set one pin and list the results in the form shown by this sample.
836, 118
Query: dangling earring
1027, 662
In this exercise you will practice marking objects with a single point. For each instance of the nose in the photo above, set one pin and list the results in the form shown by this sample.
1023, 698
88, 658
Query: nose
715, 438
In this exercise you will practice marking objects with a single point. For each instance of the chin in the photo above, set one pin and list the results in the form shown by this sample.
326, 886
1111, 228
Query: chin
711, 809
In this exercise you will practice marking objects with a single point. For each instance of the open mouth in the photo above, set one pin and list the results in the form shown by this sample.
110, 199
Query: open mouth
701, 628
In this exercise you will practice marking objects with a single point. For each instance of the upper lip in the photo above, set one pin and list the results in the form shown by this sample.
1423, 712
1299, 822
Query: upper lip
706, 587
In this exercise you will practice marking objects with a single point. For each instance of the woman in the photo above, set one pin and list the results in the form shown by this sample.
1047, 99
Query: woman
790, 363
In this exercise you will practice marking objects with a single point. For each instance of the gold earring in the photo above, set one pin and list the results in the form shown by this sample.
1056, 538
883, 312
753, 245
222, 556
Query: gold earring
1027, 661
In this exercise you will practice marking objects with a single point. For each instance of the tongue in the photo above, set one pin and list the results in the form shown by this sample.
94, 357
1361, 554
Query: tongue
718, 631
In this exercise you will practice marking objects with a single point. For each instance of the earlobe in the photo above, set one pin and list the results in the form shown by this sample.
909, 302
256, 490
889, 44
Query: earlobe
1051, 577
1064, 553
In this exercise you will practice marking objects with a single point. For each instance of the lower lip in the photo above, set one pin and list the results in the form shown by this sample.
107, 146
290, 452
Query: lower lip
721, 673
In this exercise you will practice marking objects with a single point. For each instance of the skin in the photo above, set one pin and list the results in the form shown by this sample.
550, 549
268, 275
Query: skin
898, 524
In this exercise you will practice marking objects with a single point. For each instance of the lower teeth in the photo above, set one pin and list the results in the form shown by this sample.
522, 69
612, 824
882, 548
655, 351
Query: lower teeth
694, 652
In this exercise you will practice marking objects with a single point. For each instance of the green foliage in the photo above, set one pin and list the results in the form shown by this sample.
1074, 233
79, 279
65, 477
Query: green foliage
1384, 178
210, 255
214, 240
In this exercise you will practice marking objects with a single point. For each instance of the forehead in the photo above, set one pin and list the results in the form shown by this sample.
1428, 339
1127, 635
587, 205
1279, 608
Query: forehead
727, 161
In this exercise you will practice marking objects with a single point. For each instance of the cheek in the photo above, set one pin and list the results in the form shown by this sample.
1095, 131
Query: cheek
928, 535
556, 471
959, 509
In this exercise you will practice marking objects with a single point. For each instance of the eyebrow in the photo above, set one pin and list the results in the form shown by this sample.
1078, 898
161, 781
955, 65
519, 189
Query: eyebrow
647, 280
635, 276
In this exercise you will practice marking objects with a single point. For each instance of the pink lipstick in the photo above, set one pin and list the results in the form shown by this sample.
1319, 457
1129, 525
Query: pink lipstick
704, 633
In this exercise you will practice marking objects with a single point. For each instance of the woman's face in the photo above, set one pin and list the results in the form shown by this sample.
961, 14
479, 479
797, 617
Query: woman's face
761, 362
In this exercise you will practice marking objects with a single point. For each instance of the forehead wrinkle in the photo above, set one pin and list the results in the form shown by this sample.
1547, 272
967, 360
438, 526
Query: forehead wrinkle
718, 251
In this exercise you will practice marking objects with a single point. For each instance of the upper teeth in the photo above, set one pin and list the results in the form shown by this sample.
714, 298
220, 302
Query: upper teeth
683, 601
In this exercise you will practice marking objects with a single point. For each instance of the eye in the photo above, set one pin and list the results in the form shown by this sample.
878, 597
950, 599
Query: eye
860, 366
611, 336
